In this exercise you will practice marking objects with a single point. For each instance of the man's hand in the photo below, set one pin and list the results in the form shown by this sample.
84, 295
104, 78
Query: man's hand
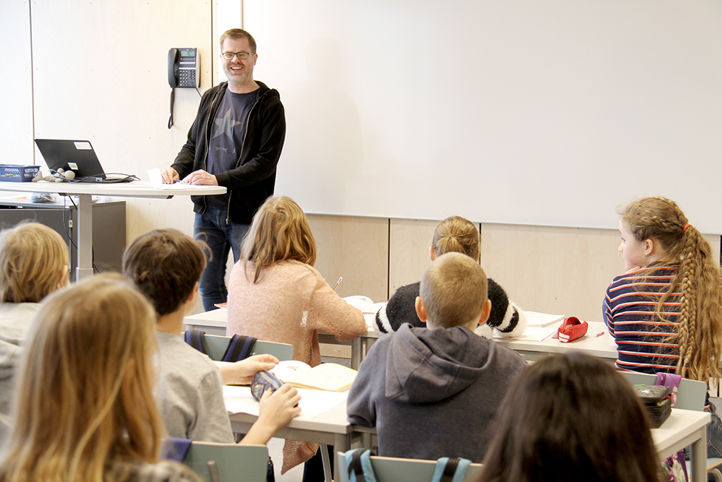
169, 176
202, 178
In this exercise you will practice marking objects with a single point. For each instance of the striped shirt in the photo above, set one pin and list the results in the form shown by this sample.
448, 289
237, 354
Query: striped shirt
645, 342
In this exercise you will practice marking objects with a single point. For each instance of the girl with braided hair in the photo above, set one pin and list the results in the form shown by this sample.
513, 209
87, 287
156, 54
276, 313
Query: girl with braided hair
664, 311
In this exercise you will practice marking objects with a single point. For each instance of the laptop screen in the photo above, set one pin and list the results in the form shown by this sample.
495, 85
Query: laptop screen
76, 155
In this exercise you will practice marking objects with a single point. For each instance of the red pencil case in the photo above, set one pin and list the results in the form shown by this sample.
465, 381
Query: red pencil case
571, 329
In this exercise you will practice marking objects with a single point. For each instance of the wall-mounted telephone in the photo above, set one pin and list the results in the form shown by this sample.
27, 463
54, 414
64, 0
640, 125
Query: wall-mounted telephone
183, 71
183, 68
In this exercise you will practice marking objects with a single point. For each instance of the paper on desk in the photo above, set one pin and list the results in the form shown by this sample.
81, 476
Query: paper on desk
313, 402
535, 318
372, 309
532, 333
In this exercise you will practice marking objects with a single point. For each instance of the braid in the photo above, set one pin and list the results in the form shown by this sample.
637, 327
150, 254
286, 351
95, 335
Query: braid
701, 299
687, 321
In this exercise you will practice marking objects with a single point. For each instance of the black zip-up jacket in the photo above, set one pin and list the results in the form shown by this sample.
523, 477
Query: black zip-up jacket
253, 178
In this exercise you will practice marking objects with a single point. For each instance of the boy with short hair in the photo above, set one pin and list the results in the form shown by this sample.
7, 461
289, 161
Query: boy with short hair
433, 392
165, 265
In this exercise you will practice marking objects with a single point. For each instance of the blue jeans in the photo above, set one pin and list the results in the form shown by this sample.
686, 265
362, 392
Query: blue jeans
211, 228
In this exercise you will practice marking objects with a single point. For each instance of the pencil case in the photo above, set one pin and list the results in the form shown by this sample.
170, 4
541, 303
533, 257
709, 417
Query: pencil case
263, 381
571, 329
657, 400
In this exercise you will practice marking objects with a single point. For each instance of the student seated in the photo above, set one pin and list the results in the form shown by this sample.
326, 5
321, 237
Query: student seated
665, 311
33, 263
165, 265
454, 234
84, 408
567, 418
275, 294
433, 392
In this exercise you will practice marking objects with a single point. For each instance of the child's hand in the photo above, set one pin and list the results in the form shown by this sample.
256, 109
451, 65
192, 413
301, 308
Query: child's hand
279, 407
242, 372
276, 410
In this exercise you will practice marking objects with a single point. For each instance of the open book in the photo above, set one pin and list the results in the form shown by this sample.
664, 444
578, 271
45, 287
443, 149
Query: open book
326, 376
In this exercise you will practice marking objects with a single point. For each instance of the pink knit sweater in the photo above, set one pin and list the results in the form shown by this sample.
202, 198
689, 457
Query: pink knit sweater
290, 303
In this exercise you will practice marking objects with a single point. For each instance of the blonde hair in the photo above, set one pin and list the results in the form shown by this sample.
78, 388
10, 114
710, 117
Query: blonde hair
450, 289
85, 398
33, 263
700, 325
456, 234
279, 232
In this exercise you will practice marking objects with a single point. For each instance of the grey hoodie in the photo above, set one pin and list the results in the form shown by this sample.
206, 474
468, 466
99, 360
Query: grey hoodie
432, 393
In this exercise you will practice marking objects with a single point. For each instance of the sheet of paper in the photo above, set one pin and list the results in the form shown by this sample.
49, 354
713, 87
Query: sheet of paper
313, 402
373, 308
535, 318
533, 333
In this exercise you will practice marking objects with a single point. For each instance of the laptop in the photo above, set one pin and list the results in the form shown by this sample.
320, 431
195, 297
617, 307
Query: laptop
78, 156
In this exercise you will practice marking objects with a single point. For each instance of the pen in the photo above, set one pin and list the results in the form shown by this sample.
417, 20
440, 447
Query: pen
338, 282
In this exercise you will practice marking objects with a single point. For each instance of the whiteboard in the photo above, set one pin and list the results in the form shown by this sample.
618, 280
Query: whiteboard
542, 112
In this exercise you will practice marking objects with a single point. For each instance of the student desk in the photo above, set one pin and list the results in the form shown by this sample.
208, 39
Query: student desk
86, 191
683, 428
602, 346
328, 428
214, 322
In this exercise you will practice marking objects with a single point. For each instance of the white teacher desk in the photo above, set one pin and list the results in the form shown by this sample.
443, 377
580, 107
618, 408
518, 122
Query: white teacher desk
85, 193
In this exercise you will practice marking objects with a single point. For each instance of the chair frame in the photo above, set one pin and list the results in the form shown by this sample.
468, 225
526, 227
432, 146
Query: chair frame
217, 344
392, 469
217, 462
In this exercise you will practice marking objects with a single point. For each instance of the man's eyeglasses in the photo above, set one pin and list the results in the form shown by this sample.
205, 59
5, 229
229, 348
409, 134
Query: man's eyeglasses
241, 55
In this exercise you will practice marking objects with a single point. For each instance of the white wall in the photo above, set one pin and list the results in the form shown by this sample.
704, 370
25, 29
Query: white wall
100, 74
549, 112
16, 121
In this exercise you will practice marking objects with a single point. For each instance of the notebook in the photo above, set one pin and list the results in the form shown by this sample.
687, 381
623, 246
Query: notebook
78, 156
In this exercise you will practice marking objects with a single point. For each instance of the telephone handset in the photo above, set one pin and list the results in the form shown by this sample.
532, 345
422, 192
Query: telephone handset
183, 68
183, 71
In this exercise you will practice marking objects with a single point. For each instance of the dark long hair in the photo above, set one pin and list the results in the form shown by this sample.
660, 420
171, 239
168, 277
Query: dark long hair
571, 417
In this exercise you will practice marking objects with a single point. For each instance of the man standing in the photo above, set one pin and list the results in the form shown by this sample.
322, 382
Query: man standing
235, 141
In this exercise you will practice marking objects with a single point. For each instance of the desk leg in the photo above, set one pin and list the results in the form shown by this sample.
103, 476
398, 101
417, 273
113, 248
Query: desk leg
356, 352
341, 443
699, 458
326, 463
84, 268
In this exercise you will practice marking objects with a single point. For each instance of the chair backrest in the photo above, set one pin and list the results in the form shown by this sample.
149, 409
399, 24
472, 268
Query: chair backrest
231, 461
391, 469
691, 395
217, 344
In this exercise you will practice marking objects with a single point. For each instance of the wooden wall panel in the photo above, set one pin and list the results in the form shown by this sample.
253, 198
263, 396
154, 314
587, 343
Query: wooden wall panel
409, 242
554, 270
355, 248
